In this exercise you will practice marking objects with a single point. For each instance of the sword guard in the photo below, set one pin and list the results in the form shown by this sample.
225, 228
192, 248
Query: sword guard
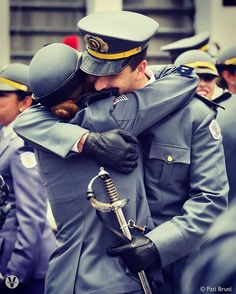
107, 207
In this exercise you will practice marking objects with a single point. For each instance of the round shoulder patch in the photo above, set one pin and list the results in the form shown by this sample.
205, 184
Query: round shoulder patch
215, 129
28, 159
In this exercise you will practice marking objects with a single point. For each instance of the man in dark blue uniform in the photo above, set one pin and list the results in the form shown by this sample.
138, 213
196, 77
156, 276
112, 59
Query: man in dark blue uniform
186, 190
26, 239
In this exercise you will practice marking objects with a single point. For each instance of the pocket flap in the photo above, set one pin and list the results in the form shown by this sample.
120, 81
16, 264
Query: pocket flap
169, 153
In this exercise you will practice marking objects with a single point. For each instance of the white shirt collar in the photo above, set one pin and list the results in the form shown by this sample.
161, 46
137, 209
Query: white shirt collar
149, 73
6, 130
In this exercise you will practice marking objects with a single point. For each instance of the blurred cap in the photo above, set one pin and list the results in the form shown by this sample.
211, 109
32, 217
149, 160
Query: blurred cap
199, 42
112, 38
54, 73
15, 77
72, 41
227, 57
201, 61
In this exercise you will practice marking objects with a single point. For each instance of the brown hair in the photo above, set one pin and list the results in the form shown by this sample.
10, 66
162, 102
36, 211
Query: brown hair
137, 59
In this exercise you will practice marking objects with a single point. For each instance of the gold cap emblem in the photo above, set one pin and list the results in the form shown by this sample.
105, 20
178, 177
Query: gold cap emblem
96, 43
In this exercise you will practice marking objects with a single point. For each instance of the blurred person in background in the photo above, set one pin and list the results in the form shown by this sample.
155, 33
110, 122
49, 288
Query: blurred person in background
214, 270
226, 65
72, 41
204, 66
197, 42
26, 239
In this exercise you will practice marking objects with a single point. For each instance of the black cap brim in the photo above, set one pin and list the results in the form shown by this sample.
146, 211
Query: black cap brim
101, 67
205, 71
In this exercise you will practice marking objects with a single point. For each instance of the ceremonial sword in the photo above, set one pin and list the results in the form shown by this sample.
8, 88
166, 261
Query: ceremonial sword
115, 205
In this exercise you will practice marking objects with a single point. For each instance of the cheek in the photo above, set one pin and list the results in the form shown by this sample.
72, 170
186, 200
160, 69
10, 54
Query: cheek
10, 109
212, 85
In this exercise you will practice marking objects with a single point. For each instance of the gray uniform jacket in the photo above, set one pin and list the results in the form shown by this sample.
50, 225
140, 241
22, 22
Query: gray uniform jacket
227, 120
26, 239
186, 184
134, 113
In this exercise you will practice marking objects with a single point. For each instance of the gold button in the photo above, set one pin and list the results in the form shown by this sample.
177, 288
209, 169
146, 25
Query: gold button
169, 158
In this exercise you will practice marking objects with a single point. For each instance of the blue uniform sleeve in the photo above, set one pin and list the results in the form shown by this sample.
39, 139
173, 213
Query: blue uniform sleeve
155, 102
39, 127
30, 212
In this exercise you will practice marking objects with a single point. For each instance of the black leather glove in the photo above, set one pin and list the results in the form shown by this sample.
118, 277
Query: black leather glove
116, 149
4, 191
138, 255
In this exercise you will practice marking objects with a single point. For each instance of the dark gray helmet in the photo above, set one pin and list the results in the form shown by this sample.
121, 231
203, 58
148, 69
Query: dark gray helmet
15, 77
54, 73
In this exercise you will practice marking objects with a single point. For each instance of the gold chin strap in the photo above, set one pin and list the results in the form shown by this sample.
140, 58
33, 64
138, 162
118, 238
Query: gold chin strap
114, 56
202, 64
230, 61
204, 48
14, 84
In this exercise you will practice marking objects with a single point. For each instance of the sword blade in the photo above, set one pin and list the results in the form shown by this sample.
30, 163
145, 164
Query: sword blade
125, 230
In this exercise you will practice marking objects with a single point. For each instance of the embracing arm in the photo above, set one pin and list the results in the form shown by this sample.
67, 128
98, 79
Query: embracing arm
141, 109
116, 149
43, 130
172, 89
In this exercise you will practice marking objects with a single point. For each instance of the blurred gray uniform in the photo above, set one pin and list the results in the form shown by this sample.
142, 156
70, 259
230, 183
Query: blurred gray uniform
227, 119
26, 239
214, 270
81, 260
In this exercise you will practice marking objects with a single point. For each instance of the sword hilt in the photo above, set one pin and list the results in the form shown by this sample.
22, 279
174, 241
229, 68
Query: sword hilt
109, 185
4, 191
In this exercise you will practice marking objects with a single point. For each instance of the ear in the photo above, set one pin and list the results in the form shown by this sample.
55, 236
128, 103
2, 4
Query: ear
141, 69
226, 75
27, 102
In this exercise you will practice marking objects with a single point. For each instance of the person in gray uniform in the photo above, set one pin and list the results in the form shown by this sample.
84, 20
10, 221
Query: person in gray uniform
26, 239
179, 166
200, 41
214, 270
204, 66
226, 65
